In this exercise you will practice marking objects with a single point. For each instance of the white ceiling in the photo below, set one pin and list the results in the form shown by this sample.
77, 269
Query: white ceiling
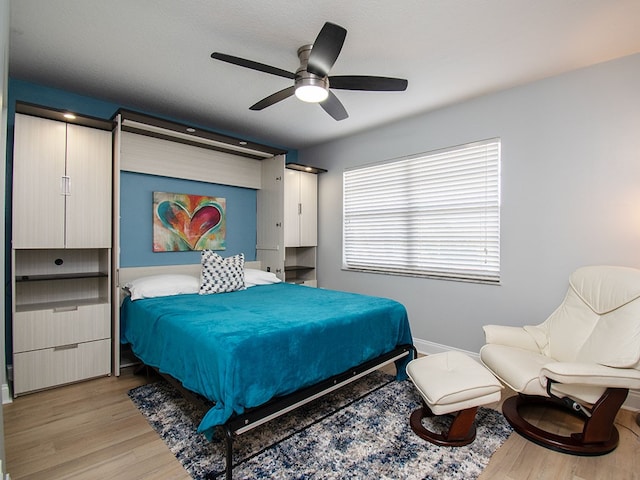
154, 55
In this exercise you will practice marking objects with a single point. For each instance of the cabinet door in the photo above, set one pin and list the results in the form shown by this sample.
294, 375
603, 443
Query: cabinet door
291, 208
88, 212
300, 209
308, 222
270, 235
38, 168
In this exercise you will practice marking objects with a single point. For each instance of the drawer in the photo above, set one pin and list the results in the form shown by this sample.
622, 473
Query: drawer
36, 329
49, 367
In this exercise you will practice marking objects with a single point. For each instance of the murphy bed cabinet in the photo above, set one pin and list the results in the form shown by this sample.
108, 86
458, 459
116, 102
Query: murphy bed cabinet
287, 221
61, 249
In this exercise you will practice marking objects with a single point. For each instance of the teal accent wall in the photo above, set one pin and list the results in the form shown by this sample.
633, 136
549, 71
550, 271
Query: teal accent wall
136, 219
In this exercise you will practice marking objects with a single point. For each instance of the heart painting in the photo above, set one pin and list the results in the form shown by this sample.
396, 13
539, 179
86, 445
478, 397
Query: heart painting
188, 222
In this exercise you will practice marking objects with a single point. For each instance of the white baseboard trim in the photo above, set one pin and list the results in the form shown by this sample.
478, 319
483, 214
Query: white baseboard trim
6, 394
429, 348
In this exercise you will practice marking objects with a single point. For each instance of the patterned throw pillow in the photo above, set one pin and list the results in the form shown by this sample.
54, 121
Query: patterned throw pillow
220, 275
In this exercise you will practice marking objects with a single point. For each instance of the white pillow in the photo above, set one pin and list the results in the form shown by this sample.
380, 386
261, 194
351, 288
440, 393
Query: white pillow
162, 286
254, 277
221, 275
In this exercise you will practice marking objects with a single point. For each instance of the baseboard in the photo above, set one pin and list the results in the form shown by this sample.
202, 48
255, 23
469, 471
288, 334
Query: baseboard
429, 348
6, 394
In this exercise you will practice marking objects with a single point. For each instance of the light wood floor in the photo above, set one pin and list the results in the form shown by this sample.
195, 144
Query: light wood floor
91, 430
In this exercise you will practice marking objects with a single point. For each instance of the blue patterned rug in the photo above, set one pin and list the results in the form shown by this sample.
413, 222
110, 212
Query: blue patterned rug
359, 432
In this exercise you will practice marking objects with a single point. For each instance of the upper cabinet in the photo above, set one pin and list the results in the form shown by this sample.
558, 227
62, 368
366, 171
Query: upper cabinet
300, 209
61, 185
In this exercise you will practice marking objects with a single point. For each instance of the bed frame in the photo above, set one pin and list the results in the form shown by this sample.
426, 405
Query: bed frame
254, 417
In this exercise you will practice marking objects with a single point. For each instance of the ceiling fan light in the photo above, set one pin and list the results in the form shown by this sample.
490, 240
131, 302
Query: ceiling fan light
312, 93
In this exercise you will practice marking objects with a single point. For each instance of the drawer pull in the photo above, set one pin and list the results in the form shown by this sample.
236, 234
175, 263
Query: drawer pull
65, 347
65, 309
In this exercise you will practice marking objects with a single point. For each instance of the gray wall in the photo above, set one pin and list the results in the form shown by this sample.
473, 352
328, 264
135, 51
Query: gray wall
570, 197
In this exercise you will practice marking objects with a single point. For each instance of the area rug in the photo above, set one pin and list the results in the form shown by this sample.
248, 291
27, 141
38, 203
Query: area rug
358, 432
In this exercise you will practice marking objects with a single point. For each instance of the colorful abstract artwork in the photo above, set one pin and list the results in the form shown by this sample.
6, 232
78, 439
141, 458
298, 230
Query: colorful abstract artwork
188, 222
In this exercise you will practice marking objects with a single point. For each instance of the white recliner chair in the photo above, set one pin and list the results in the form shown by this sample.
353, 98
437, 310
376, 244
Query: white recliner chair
585, 356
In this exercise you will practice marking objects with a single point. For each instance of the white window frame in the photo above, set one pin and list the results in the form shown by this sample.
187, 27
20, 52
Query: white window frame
434, 214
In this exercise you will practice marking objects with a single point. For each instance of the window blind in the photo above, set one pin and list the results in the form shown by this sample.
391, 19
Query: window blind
433, 214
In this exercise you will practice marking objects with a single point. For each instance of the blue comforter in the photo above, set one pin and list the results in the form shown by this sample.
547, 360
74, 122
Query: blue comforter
243, 348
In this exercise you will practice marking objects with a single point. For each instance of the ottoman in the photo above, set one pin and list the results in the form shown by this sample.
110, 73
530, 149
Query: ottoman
451, 383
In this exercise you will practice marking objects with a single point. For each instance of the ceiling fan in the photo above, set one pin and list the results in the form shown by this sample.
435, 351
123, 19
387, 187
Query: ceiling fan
311, 80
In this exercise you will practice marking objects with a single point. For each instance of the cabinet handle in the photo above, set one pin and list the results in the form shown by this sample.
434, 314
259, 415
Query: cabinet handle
71, 346
65, 185
65, 309
299, 209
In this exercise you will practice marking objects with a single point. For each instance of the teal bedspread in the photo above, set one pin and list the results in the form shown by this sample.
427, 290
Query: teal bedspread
243, 348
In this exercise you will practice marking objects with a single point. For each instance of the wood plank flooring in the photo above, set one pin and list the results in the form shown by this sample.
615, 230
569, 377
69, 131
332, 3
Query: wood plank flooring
92, 430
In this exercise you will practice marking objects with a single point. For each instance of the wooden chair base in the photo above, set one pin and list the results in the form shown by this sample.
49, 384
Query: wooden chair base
598, 437
461, 432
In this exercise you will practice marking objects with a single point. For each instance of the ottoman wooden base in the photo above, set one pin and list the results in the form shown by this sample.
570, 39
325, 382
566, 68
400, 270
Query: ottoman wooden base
451, 383
462, 430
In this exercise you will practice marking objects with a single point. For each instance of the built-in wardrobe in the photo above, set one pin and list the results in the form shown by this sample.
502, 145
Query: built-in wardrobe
61, 248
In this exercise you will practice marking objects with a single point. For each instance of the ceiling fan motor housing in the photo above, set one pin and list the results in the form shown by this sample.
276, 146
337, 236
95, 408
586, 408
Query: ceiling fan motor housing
304, 78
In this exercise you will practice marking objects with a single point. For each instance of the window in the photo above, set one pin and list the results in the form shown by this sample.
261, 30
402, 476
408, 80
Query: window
435, 214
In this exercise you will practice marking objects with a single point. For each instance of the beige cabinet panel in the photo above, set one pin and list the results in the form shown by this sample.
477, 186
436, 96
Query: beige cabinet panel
49, 367
38, 168
62, 326
61, 185
88, 212
291, 208
300, 209
270, 233
309, 209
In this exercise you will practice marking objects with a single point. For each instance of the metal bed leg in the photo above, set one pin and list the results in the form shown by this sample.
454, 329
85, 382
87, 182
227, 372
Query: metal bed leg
228, 454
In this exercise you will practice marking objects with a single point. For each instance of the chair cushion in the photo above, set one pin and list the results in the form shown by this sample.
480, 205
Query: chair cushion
606, 288
452, 381
568, 328
517, 368
610, 293
615, 340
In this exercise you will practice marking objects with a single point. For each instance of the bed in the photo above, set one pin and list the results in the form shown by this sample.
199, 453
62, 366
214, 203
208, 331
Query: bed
261, 351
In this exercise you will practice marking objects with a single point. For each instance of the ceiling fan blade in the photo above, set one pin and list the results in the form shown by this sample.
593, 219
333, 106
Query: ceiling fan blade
275, 98
364, 82
261, 67
334, 107
326, 49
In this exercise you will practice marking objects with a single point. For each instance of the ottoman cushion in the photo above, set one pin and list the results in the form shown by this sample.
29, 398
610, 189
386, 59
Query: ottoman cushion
452, 381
